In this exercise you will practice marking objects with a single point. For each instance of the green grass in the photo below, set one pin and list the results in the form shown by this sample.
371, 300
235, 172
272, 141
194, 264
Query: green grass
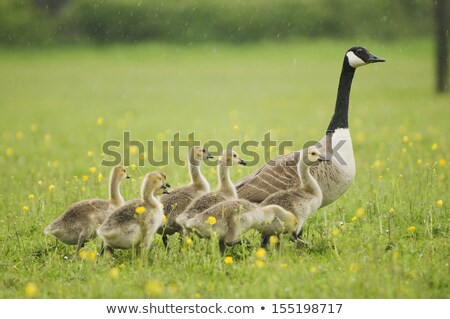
51, 100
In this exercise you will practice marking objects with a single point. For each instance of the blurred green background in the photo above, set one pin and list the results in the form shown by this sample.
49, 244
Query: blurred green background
43, 22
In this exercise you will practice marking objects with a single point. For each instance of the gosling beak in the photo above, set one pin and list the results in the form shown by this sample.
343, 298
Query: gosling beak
242, 162
373, 59
167, 184
128, 177
164, 187
209, 156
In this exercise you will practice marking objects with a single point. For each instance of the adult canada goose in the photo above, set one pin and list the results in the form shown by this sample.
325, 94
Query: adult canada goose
303, 200
78, 224
134, 224
232, 218
334, 176
225, 189
179, 198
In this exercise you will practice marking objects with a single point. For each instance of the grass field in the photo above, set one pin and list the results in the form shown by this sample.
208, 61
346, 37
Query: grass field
387, 237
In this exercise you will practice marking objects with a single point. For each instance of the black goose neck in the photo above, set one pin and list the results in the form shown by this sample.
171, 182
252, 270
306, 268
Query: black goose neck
340, 116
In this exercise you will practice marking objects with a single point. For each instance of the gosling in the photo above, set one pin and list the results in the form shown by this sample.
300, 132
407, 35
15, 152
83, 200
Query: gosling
78, 224
135, 224
230, 219
180, 197
301, 201
225, 189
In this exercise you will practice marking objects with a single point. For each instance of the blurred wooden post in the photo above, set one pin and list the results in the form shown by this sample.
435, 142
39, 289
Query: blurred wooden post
442, 25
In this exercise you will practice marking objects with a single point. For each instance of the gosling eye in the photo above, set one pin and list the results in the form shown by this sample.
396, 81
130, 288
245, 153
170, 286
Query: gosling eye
204, 151
234, 155
313, 153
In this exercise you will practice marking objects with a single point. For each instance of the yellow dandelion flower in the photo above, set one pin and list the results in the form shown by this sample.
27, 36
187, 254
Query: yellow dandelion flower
83, 254
354, 218
335, 232
440, 203
353, 267
92, 255
197, 295
211, 220
89, 153
164, 218
228, 260
395, 254
283, 265
391, 210
30, 196
39, 183
19, 135
377, 164
419, 161
313, 269
139, 210
114, 273
121, 266
235, 127
100, 121
412, 228
47, 138
273, 240
92, 169
360, 212
405, 139
133, 167
154, 288
360, 137
133, 150
99, 177
51, 187
259, 263
33, 127
434, 146
9, 152
31, 290
188, 242
84, 178
442, 162
83, 188
261, 253
25, 208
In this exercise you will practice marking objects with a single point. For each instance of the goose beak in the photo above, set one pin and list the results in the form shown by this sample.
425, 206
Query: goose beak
242, 162
373, 59
209, 155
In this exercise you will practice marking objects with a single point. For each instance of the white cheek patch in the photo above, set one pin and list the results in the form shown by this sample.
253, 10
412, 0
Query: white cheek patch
354, 60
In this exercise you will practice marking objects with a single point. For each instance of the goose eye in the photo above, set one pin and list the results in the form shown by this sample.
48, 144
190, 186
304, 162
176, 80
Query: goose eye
359, 50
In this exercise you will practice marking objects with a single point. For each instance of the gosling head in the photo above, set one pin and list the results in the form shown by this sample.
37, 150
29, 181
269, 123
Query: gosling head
358, 56
157, 182
231, 158
312, 156
120, 173
200, 153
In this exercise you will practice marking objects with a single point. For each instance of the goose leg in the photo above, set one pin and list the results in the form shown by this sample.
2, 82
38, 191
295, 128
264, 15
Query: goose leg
222, 247
81, 241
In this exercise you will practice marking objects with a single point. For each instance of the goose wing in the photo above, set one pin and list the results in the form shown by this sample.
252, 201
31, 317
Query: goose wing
278, 174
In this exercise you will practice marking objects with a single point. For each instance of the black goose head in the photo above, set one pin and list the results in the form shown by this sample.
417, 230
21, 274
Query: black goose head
359, 56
